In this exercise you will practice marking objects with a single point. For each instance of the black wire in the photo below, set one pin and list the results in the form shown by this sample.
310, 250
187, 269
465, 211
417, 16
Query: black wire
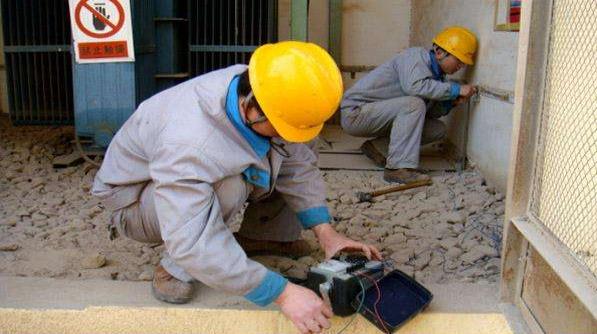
358, 309
280, 149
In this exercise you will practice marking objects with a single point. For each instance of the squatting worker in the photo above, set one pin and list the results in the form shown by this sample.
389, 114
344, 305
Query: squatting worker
403, 99
189, 158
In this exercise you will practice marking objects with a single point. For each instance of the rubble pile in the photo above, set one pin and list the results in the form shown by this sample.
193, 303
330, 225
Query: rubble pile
51, 226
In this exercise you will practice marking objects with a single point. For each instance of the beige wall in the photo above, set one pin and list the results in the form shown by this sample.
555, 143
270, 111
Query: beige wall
490, 123
318, 21
372, 30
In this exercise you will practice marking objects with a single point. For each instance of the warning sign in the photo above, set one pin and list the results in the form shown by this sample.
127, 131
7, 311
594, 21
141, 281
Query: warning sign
102, 30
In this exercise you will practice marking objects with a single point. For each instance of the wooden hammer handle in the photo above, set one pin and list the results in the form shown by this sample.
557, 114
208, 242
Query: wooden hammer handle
406, 186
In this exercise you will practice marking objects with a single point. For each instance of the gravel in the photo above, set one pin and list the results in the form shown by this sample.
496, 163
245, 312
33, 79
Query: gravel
50, 226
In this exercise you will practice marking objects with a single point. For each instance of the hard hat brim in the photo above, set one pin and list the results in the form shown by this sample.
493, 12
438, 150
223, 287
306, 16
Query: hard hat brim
465, 60
293, 134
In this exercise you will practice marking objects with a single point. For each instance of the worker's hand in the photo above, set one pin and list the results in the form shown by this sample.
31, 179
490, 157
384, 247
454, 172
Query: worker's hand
333, 242
304, 308
467, 90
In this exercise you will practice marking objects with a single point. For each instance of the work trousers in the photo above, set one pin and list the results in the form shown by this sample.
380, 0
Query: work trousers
134, 216
404, 119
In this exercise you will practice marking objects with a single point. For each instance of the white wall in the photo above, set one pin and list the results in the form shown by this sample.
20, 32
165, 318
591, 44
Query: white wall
490, 125
374, 30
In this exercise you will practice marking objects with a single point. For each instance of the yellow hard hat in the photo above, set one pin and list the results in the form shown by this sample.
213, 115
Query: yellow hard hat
459, 42
297, 85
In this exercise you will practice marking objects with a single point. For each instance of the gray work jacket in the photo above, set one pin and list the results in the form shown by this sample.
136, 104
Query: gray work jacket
412, 72
185, 140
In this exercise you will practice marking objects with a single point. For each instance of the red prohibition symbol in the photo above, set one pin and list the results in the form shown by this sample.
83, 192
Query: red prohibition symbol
114, 28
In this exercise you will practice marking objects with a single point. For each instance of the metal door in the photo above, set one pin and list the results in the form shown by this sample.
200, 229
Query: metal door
37, 41
225, 32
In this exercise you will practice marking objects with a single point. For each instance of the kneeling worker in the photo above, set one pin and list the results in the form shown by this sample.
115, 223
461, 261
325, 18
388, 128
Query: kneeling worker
403, 98
188, 159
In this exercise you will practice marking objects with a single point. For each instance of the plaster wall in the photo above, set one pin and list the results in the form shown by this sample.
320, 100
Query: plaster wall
490, 125
372, 30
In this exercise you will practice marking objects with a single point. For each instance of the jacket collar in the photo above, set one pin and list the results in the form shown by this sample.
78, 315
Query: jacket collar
435, 68
259, 143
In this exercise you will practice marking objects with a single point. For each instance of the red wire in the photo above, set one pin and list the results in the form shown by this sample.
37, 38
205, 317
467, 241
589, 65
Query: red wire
377, 301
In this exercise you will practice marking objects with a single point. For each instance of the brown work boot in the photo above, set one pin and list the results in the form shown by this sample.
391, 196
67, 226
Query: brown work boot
403, 175
169, 289
371, 152
291, 249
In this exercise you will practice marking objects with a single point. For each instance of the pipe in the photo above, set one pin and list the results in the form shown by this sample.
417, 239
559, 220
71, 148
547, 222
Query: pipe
498, 94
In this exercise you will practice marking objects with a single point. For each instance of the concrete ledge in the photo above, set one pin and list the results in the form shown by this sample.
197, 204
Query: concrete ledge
113, 320
34, 305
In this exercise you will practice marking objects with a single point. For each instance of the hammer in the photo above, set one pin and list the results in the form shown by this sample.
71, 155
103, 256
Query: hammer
368, 196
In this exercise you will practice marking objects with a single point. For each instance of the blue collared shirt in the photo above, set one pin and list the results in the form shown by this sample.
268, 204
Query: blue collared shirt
259, 144
273, 283
435, 68
439, 75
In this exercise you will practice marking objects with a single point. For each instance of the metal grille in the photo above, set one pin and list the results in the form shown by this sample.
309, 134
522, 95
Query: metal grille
225, 32
564, 193
144, 41
38, 63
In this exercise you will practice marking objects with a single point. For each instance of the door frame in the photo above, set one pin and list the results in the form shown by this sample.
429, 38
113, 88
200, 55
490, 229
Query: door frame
523, 231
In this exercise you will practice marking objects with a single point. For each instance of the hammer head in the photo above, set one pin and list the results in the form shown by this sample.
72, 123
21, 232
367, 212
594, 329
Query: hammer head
364, 197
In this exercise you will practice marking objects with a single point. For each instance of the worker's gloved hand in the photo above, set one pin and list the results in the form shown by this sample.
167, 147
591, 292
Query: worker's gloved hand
333, 242
304, 308
467, 91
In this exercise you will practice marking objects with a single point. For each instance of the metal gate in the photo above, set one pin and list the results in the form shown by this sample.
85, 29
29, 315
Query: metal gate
38, 63
564, 191
549, 266
144, 32
174, 40
225, 32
